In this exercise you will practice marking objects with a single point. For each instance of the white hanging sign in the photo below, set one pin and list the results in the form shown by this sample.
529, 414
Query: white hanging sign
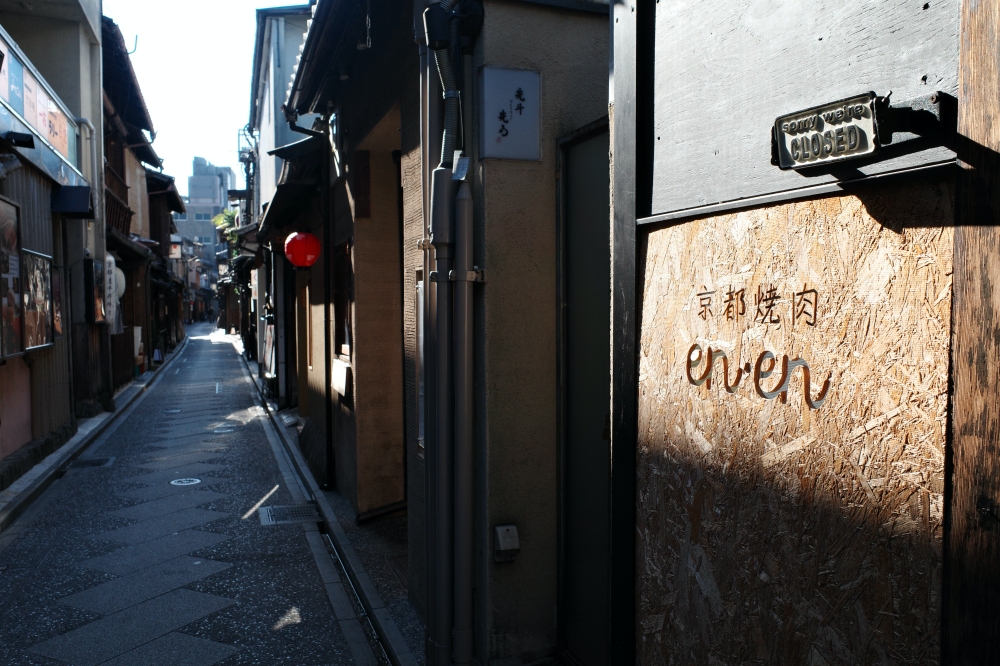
510, 114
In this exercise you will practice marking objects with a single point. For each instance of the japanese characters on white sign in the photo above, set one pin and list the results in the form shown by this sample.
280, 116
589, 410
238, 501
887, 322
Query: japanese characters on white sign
511, 101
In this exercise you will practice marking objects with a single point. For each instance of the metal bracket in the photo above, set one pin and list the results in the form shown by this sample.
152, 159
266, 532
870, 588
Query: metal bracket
424, 244
914, 118
475, 275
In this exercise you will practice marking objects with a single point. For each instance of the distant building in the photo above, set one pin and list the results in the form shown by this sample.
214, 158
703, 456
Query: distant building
208, 187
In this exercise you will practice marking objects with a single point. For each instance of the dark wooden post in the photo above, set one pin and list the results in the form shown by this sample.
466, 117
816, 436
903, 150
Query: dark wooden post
971, 618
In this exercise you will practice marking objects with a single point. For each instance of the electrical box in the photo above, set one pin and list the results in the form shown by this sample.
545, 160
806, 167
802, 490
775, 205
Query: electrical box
506, 544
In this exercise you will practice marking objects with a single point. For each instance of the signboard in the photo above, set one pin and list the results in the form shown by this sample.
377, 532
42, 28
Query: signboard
30, 100
829, 133
111, 295
12, 319
511, 104
792, 401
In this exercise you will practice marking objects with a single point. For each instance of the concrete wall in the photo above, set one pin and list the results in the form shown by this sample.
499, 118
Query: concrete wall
516, 320
281, 46
60, 50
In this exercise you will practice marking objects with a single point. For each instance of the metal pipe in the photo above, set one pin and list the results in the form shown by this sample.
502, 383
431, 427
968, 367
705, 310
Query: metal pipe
442, 239
429, 108
464, 279
328, 258
451, 95
94, 178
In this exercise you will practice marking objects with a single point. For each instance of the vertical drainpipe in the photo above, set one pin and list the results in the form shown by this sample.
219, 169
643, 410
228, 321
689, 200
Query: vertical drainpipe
442, 239
442, 215
328, 332
431, 128
464, 279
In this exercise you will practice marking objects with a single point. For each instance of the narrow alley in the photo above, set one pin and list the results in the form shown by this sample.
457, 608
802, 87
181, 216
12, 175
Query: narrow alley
150, 549
499, 333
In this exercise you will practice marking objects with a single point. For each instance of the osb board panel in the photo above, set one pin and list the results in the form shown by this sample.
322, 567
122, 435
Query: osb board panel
769, 532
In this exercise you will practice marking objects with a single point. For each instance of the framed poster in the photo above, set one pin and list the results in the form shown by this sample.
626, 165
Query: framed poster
93, 276
37, 274
11, 321
57, 320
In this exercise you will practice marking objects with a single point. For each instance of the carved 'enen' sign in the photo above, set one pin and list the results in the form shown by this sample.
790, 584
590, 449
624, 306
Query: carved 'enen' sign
829, 133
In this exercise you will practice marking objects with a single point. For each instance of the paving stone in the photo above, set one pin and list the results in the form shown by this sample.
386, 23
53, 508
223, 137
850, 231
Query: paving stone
79, 603
154, 552
170, 504
174, 462
161, 526
164, 452
166, 476
116, 634
175, 649
142, 585
165, 489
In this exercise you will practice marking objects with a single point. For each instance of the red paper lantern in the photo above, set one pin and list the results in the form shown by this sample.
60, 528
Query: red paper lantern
302, 249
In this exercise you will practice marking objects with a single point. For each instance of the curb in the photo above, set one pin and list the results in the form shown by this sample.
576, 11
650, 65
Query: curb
36, 480
385, 627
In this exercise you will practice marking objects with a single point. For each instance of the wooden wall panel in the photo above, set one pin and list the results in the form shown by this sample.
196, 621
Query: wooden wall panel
769, 532
32, 191
972, 573
726, 70
50, 382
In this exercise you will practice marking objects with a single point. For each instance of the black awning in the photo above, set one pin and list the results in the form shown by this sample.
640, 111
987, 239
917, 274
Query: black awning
297, 185
298, 149
73, 201
128, 247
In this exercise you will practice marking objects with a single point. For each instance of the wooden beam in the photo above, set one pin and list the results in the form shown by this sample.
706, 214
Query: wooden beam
971, 617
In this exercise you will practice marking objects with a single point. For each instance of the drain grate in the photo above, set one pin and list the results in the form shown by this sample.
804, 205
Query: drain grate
91, 462
284, 515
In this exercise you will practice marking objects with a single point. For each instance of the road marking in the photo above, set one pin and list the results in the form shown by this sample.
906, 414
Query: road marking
177, 370
216, 387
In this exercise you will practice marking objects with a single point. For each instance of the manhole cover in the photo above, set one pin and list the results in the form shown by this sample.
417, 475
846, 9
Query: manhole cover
171, 411
91, 462
222, 431
283, 515
185, 482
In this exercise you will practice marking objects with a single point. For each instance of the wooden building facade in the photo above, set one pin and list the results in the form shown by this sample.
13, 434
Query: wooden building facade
803, 424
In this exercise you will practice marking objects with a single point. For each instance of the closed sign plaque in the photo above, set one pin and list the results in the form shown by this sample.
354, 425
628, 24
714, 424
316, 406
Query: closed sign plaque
828, 133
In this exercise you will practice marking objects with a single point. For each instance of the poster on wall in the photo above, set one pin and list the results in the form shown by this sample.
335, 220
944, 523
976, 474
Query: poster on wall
37, 300
98, 289
57, 322
11, 341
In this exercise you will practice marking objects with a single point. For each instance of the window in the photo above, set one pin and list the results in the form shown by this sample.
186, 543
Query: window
304, 301
202, 217
180, 216
343, 298
207, 240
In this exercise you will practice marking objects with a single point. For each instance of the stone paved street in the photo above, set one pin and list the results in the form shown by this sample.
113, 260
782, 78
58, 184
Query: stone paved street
114, 565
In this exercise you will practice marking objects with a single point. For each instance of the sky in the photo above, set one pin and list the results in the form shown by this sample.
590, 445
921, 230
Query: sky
194, 60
